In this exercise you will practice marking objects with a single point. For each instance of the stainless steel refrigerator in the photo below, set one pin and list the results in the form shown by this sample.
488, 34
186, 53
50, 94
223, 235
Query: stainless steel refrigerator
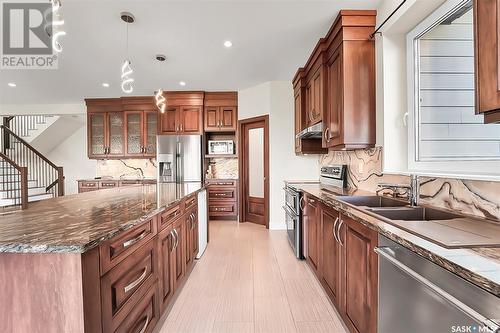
179, 158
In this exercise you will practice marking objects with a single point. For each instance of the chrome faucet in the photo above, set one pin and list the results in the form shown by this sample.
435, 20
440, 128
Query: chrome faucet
412, 191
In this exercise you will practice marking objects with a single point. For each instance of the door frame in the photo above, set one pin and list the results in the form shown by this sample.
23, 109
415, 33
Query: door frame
243, 173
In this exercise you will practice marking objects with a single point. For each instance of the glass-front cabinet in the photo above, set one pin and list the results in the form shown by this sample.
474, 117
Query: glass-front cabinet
96, 134
141, 129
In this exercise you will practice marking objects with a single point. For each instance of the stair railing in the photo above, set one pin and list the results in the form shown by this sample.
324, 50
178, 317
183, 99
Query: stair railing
40, 168
22, 125
14, 182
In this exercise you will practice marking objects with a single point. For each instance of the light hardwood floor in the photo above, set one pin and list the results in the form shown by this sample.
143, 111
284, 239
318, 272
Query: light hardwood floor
248, 280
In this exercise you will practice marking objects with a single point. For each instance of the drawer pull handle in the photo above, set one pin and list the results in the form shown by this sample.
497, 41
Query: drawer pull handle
134, 284
173, 238
145, 325
176, 236
134, 240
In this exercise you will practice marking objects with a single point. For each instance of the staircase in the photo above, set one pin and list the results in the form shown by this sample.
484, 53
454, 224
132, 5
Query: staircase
25, 174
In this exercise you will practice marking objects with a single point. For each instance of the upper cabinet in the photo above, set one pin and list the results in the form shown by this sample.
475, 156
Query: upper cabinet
221, 111
337, 86
183, 115
487, 59
121, 127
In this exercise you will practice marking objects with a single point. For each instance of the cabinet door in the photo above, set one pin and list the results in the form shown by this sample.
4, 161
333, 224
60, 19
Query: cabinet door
487, 58
317, 96
166, 267
188, 236
331, 254
212, 118
312, 223
191, 121
96, 134
134, 133
116, 134
194, 235
169, 121
150, 129
298, 119
227, 118
309, 105
360, 279
332, 134
179, 251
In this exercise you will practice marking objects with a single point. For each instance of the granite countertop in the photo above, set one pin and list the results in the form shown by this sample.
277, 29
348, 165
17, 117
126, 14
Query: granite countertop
480, 266
79, 222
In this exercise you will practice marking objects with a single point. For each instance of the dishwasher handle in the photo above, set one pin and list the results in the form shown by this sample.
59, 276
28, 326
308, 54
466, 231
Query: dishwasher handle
383, 252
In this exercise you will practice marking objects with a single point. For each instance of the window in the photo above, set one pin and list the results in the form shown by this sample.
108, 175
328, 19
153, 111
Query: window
445, 135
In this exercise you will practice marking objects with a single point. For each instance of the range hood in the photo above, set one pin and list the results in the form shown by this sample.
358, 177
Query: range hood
312, 132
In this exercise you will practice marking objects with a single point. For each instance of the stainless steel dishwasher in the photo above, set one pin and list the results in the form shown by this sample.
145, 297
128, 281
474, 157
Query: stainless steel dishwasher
418, 296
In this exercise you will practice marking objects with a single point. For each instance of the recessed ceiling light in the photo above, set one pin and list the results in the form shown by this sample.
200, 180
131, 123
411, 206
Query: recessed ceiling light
105, 85
228, 43
11, 84
182, 83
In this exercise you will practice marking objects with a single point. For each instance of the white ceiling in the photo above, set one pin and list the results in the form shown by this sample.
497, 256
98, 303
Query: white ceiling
271, 39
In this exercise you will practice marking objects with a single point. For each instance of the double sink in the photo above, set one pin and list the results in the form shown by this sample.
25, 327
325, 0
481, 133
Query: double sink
393, 209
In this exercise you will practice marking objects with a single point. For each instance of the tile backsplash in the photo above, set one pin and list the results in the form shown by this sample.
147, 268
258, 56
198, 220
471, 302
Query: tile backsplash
224, 168
480, 198
127, 168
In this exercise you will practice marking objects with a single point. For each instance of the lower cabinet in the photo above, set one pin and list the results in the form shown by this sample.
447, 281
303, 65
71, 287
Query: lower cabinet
348, 265
312, 233
130, 280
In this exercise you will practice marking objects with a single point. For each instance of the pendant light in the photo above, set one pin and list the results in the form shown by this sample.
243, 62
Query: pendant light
161, 101
127, 71
54, 28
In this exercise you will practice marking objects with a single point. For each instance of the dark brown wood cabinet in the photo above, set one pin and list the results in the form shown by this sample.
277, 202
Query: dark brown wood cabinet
121, 127
312, 225
347, 265
338, 82
221, 111
222, 199
360, 279
183, 115
331, 262
166, 242
487, 59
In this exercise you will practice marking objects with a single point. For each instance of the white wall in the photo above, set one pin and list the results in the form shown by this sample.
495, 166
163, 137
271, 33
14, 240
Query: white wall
276, 99
71, 154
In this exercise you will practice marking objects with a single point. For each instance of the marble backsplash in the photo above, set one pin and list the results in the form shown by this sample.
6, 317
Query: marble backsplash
127, 168
479, 198
223, 168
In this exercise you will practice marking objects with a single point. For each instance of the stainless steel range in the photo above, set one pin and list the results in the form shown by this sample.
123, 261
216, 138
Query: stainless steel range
331, 177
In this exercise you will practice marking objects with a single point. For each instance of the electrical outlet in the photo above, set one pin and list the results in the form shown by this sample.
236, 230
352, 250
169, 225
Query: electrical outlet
361, 168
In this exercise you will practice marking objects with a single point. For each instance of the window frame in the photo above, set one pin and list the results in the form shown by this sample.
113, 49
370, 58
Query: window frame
488, 168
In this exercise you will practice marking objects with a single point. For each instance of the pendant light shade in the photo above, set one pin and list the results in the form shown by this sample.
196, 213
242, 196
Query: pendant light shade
161, 101
127, 80
54, 27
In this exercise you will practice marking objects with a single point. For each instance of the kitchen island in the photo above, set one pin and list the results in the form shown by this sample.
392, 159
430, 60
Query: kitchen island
104, 261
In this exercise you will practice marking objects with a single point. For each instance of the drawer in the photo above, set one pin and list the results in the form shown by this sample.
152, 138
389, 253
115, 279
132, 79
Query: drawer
129, 182
83, 190
88, 184
108, 183
170, 215
126, 283
215, 182
221, 193
190, 201
143, 316
118, 248
222, 209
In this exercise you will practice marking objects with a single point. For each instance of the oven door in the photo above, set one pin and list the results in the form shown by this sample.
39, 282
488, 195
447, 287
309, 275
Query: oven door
293, 229
292, 200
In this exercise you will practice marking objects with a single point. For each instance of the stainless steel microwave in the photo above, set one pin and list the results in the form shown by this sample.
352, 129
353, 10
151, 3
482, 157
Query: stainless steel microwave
217, 147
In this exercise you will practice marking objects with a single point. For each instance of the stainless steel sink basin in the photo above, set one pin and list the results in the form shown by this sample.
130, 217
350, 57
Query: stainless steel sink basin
414, 214
373, 201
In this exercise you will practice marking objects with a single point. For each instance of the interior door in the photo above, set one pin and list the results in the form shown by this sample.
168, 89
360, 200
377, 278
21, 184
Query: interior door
254, 180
